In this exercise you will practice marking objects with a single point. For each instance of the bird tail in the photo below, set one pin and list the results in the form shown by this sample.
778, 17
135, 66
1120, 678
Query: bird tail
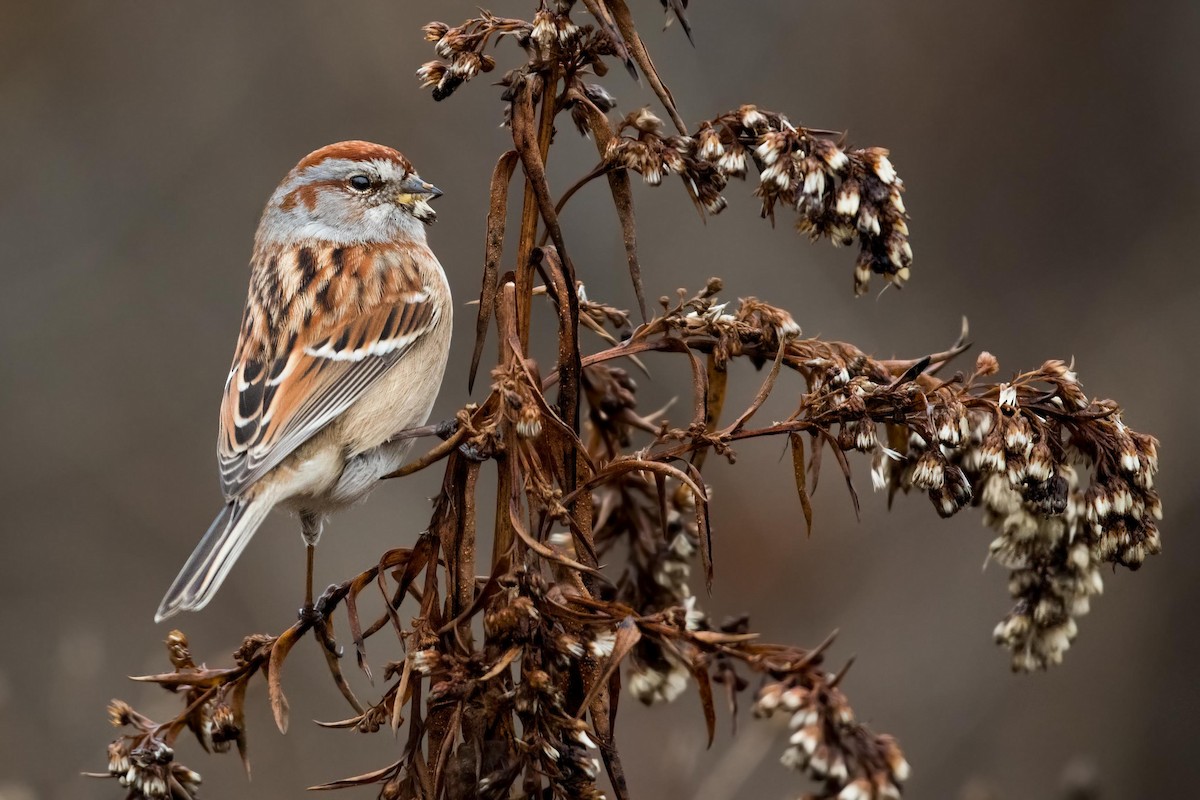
212, 559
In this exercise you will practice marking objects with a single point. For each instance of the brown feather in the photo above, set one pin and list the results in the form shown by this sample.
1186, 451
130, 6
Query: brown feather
354, 150
323, 323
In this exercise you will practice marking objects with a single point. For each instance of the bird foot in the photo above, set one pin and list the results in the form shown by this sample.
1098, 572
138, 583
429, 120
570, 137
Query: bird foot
315, 615
447, 428
309, 615
314, 612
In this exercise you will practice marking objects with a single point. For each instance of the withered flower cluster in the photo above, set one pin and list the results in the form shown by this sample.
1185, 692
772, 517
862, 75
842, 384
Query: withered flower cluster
146, 766
825, 739
143, 760
462, 48
514, 669
1067, 486
838, 194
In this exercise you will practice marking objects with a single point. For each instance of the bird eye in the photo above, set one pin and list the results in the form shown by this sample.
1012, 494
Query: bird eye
360, 183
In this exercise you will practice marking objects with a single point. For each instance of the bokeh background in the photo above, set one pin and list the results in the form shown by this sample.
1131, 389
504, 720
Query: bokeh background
1052, 168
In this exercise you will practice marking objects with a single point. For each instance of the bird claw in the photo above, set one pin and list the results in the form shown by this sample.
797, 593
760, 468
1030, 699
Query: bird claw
313, 613
309, 615
447, 428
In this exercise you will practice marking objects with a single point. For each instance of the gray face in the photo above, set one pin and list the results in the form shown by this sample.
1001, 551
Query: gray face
350, 201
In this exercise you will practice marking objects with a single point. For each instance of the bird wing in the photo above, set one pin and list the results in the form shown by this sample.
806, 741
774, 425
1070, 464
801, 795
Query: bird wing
322, 325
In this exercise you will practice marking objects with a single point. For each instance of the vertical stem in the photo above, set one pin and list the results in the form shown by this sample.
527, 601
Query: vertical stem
466, 544
502, 541
529, 208
454, 513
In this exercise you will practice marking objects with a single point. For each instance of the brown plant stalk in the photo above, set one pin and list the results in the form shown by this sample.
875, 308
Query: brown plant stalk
513, 673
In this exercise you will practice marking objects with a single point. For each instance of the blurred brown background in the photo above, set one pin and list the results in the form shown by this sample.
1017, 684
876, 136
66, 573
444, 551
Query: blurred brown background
1050, 154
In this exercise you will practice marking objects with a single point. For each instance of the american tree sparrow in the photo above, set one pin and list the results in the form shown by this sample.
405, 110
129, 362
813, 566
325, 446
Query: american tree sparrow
343, 344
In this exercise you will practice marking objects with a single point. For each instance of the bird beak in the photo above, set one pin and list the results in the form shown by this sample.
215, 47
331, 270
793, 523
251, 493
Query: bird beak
415, 195
415, 186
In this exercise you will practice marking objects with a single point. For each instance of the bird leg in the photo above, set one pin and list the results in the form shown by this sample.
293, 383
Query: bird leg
310, 525
310, 551
443, 430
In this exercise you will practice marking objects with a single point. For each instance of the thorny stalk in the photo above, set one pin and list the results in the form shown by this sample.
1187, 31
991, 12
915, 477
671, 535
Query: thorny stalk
511, 679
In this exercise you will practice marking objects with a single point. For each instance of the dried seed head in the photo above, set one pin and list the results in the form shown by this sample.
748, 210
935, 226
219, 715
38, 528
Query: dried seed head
223, 729
426, 660
602, 643
849, 199
121, 714
709, 143
655, 684
732, 162
544, 33
929, 470
859, 789
118, 757
752, 118
529, 421
865, 439
954, 494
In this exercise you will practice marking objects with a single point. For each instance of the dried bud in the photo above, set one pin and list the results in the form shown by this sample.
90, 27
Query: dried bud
178, 652
120, 714
545, 32
435, 31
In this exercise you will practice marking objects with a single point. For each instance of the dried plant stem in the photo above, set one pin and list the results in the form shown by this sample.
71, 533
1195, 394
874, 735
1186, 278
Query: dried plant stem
504, 535
511, 682
530, 207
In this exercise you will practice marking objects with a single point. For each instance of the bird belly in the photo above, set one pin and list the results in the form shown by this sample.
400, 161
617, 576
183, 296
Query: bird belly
362, 472
341, 464
310, 472
402, 398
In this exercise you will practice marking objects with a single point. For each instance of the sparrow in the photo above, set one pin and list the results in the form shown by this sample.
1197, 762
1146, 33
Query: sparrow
343, 344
